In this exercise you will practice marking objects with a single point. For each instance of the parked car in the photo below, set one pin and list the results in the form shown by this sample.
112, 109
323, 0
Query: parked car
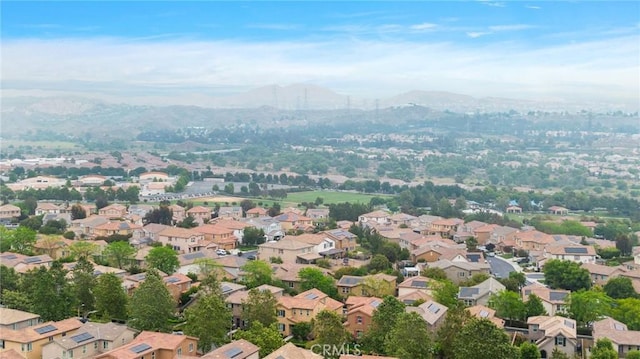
252, 257
221, 252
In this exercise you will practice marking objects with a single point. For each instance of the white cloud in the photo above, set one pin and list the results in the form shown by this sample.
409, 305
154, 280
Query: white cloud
606, 69
476, 34
533, 7
274, 26
424, 26
514, 27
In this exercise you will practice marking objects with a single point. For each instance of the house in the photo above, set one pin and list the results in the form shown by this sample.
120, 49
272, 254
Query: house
323, 245
289, 250
553, 300
182, 240
92, 180
379, 285
131, 282
445, 228
84, 227
502, 236
179, 213
55, 246
149, 231
234, 212
290, 351
414, 297
22, 263
154, 345
318, 214
344, 240
483, 233
514, 210
288, 273
460, 271
140, 209
89, 340
575, 253
359, 314
293, 221
375, 217
432, 312
236, 226
436, 250
177, 284
98, 270
113, 211
38, 182
257, 212
9, 211
47, 208
413, 284
272, 228
30, 340
623, 339
122, 228
484, 312
303, 308
557, 210
237, 349
600, 274
235, 302
189, 261
402, 219
154, 176
532, 240
200, 214
13, 319
229, 288
479, 294
550, 332
223, 237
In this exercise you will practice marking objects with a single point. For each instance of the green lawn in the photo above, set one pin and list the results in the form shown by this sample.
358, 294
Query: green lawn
329, 197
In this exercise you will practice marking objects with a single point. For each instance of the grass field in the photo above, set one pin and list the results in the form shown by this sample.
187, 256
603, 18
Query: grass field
329, 197
51, 145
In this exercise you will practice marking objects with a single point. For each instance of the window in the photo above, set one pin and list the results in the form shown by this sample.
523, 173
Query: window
345, 289
291, 284
179, 351
27, 347
359, 333
105, 345
84, 349
461, 274
95, 345
576, 258
560, 340
534, 328
50, 339
1, 344
71, 353
281, 327
190, 347
359, 319
308, 312
280, 251
280, 313
153, 355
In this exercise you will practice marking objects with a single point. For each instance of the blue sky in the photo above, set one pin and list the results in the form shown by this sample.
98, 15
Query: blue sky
550, 50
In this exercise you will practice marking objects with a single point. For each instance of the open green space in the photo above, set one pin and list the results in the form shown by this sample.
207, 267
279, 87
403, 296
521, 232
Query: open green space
329, 197
51, 145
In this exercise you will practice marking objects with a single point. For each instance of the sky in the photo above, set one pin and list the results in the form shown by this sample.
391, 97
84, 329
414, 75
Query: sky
548, 50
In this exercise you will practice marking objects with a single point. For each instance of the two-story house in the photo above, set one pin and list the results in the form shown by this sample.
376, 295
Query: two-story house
13, 319
600, 274
223, 237
623, 339
47, 208
182, 240
550, 332
9, 211
416, 288
479, 294
234, 212
445, 228
359, 312
375, 217
432, 312
575, 253
113, 211
236, 300
288, 273
116, 227
200, 214
344, 240
532, 240
29, 341
553, 300
484, 312
88, 341
293, 221
271, 227
179, 213
303, 308
154, 345
459, 271
379, 285
289, 250
257, 212
237, 349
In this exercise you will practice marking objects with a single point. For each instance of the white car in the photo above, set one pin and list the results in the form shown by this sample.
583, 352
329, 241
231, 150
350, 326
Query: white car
221, 252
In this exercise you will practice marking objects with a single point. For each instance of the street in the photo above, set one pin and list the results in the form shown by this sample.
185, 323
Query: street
500, 267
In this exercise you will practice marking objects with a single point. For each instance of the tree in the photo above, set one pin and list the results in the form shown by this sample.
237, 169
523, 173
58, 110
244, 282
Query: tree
260, 306
529, 351
566, 275
633, 354
267, 339
83, 285
21, 240
627, 311
253, 236
188, 222
624, 244
382, 322
119, 253
434, 273
162, 215
83, 249
445, 292
209, 318
533, 307
514, 282
329, 330
603, 350
111, 299
586, 306
314, 278
208, 268
472, 243
508, 305
163, 259
372, 286
481, 339
151, 305
558, 354
379, 263
257, 273
49, 292
620, 288
409, 338
9, 280
456, 318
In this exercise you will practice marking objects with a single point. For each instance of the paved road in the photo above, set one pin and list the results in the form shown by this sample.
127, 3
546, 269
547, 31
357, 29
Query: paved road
500, 267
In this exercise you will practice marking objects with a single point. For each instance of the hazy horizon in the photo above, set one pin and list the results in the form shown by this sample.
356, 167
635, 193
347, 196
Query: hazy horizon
168, 51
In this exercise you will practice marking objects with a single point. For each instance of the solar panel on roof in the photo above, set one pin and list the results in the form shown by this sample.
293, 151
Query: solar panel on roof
484, 313
45, 329
194, 255
576, 250
81, 337
375, 303
172, 280
32, 260
226, 288
419, 283
433, 308
557, 296
9, 256
140, 348
568, 323
311, 296
233, 352
618, 326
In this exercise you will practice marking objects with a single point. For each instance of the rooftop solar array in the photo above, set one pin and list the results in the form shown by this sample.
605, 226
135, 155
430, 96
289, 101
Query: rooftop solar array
557, 296
419, 283
473, 257
569, 323
375, 303
576, 250
433, 308
32, 260
45, 329
233, 352
9, 256
350, 280
172, 280
193, 255
82, 337
311, 296
140, 348
484, 313
226, 288
468, 292
618, 326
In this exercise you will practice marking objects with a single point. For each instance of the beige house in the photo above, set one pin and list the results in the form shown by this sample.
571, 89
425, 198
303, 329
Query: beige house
600, 274
113, 211
117, 227
375, 217
22, 263
432, 312
553, 300
288, 273
379, 284
200, 214
460, 271
293, 221
47, 208
29, 341
234, 212
237, 349
257, 212
290, 351
344, 240
623, 339
445, 228
182, 240
479, 294
235, 302
484, 312
90, 340
289, 250
532, 240
154, 345
575, 253
222, 236
359, 314
9, 211
13, 319
549, 333
412, 284
179, 213
303, 308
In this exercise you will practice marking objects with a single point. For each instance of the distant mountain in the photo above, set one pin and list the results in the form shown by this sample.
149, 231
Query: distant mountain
292, 97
